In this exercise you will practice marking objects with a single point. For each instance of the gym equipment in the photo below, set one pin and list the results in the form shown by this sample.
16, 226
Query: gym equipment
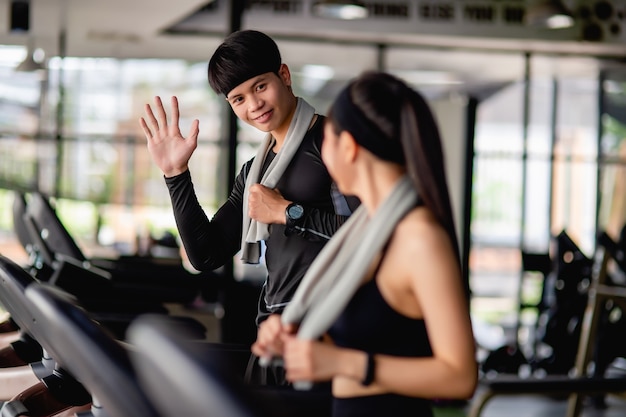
184, 377
85, 353
47, 241
187, 378
594, 334
558, 325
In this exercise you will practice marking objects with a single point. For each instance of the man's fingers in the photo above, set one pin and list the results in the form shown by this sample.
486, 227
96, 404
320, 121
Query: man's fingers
175, 111
194, 130
162, 117
145, 128
151, 118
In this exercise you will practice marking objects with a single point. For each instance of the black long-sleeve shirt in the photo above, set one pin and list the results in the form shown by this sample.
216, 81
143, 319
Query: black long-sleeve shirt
211, 243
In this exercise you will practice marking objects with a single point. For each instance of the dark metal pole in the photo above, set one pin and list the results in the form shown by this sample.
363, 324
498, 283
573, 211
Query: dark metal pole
525, 122
60, 112
522, 225
381, 57
600, 161
236, 325
236, 12
553, 122
470, 134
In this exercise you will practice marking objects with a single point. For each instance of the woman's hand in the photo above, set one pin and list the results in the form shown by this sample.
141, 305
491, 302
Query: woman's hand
169, 149
269, 341
307, 360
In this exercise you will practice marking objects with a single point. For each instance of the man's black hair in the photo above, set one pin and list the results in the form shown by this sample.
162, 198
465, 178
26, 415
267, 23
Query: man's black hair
243, 54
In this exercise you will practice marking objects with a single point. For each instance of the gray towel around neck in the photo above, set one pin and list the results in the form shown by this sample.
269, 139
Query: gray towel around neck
254, 232
339, 269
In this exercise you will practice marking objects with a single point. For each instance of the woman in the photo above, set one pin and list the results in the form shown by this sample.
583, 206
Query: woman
403, 336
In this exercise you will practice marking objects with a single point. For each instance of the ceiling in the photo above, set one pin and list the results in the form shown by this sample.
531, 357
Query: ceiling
455, 53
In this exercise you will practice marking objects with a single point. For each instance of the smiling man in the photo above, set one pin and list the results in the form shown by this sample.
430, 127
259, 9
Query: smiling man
283, 196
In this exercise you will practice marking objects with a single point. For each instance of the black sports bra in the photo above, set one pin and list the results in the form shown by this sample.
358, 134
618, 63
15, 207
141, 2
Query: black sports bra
368, 323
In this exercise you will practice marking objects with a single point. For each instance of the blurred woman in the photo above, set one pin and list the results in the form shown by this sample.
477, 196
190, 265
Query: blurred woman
401, 335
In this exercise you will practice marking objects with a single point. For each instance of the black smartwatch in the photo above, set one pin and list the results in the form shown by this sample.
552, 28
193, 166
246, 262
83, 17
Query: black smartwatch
294, 213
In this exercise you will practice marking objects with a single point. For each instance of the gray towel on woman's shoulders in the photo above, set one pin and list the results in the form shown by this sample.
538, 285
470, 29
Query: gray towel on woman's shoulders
340, 267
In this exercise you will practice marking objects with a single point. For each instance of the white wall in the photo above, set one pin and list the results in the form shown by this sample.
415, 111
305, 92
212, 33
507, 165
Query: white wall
451, 114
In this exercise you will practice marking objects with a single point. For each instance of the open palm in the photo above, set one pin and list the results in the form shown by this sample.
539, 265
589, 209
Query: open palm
167, 146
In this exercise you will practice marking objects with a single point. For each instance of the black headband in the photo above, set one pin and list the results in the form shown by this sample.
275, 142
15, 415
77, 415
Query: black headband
350, 118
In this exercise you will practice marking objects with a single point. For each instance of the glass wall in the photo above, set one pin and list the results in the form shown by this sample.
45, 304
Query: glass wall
73, 133
498, 170
576, 161
612, 208
538, 167
89, 152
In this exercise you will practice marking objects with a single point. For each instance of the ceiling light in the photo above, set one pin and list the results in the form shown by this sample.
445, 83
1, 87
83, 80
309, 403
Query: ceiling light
551, 14
340, 9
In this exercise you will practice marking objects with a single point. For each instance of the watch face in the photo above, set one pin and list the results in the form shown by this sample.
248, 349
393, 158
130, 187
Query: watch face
295, 211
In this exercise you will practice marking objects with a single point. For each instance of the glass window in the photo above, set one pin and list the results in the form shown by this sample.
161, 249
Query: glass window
575, 161
532, 177
612, 214
494, 263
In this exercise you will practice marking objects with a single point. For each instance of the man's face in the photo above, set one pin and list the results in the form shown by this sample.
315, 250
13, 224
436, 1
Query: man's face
264, 101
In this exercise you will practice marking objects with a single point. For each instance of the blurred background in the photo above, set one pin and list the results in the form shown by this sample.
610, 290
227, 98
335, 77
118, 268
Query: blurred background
530, 96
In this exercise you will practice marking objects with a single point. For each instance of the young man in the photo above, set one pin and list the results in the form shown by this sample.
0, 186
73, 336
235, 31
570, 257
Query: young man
283, 196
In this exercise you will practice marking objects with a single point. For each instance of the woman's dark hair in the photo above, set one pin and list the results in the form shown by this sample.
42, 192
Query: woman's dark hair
402, 115
243, 54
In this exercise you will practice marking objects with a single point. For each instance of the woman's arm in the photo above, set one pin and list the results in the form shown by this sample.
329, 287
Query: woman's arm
269, 341
422, 253
427, 267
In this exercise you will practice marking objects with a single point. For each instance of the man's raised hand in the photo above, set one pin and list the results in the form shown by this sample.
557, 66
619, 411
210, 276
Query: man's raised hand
167, 146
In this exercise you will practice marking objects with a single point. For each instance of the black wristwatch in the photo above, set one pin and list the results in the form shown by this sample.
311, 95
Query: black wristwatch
294, 213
